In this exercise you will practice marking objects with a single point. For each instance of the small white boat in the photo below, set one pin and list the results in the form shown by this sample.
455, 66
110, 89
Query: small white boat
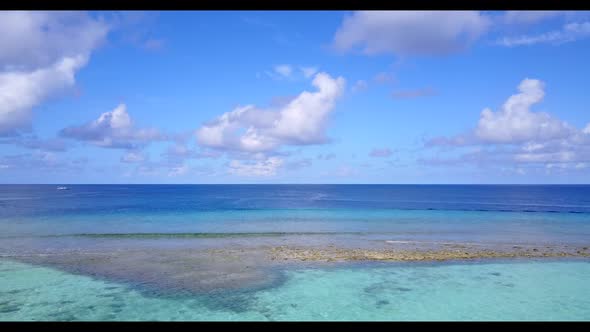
62, 188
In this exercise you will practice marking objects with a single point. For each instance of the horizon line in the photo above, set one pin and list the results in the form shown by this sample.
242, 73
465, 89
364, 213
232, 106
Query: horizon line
301, 184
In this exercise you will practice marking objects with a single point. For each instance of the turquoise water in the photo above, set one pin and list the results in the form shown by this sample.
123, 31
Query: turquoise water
517, 290
133, 226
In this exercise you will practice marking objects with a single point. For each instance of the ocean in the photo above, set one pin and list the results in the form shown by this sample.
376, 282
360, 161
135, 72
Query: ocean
160, 252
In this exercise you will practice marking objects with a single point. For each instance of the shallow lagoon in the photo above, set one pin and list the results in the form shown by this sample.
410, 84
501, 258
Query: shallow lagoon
83, 253
500, 290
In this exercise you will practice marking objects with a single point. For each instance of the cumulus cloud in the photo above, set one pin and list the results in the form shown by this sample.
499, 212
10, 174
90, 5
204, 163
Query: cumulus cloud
568, 33
113, 129
516, 123
40, 53
516, 135
410, 32
380, 153
38, 39
20, 91
266, 167
302, 121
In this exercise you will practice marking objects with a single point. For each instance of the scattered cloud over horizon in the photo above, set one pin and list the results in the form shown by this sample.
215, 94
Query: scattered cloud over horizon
264, 167
298, 164
515, 134
261, 132
300, 122
41, 160
113, 129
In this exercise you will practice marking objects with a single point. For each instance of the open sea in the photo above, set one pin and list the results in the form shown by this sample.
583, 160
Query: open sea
39, 219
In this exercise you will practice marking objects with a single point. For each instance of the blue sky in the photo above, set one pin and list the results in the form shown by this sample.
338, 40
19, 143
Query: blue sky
294, 97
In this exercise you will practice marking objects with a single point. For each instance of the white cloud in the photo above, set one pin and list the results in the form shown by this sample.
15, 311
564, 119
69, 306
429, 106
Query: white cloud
113, 129
515, 123
283, 70
40, 53
569, 33
20, 91
302, 121
38, 39
410, 32
587, 129
266, 167
516, 135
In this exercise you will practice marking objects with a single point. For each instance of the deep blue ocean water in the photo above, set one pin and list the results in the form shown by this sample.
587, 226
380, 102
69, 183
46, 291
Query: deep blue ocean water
523, 290
421, 212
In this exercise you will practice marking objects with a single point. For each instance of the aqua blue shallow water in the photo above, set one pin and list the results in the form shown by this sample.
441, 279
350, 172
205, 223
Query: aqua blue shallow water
492, 291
